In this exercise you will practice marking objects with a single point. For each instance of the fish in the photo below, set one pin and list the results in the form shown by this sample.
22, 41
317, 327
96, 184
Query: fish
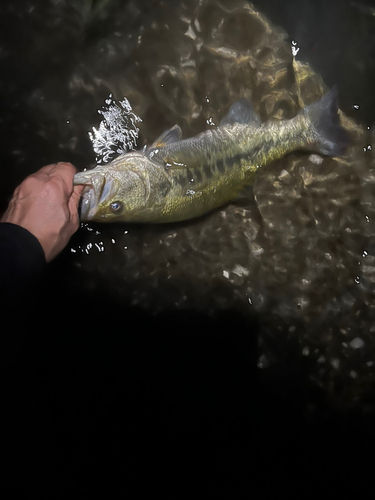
177, 179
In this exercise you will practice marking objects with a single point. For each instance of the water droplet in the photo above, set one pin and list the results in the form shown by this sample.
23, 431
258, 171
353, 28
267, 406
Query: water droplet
356, 279
295, 49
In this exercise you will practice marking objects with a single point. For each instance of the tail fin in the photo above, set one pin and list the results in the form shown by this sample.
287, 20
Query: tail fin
332, 138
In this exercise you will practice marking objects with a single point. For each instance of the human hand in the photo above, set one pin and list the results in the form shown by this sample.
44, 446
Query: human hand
46, 204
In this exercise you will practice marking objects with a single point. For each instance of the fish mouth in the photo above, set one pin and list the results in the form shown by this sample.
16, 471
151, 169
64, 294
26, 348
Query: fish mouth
99, 188
89, 204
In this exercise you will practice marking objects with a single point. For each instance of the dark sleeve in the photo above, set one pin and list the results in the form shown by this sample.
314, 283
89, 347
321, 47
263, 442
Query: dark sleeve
22, 261
22, 265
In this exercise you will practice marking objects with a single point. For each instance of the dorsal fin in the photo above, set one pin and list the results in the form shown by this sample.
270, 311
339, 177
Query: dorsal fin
243, 112
173, 134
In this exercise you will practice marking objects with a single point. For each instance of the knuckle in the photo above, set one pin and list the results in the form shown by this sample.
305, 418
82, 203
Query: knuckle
66, 169
54, 186
31, 183
65, 163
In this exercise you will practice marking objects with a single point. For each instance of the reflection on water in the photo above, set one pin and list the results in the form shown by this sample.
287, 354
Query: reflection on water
297, 250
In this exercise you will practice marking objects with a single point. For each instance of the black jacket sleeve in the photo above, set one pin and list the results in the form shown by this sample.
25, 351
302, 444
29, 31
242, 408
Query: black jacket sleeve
22, 265
22, 261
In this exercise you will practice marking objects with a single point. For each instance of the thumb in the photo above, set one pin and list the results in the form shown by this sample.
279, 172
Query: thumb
76, 194
74, 200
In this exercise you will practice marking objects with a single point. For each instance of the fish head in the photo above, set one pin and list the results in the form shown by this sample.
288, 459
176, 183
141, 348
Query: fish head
117, 191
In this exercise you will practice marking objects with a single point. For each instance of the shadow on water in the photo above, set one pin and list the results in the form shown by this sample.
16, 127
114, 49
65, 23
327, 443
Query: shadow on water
235, 350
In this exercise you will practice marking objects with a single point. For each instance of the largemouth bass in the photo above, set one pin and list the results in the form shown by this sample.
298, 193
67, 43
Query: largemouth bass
177, 179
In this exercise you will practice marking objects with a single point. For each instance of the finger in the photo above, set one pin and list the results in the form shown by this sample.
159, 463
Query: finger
74, 201
64, 170
76, 194
66, 166
62, 173
46, 170
61, 169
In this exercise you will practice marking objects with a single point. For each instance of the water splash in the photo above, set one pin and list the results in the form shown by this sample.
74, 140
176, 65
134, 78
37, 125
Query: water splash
295, 49
117, 132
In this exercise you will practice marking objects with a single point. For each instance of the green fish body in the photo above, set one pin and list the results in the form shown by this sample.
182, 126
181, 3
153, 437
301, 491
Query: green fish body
176, 179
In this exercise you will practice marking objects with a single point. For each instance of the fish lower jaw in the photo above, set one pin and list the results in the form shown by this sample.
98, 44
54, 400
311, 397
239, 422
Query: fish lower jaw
89, 205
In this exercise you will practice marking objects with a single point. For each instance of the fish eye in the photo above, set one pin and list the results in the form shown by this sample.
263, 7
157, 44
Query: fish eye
116, 206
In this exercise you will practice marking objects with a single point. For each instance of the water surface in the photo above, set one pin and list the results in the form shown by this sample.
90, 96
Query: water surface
288, 271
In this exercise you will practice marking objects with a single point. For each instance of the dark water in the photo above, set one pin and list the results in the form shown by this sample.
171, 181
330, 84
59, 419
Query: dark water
238, 347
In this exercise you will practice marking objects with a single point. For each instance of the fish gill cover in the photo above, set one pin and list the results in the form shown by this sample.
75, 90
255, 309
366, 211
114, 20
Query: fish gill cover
298, 252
